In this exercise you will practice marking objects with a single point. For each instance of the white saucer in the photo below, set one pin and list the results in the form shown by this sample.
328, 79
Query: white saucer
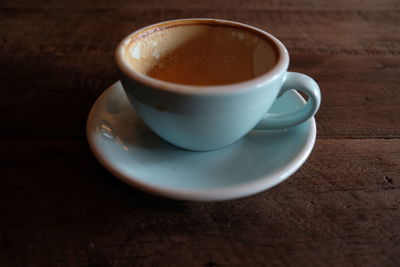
134, 154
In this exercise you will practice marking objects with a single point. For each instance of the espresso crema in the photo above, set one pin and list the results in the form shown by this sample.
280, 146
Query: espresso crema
200, 54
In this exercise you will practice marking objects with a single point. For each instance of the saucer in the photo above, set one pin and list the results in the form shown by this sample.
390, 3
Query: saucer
127, 148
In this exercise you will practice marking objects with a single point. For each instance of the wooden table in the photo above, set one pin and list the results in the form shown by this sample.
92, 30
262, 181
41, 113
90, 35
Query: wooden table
60, 207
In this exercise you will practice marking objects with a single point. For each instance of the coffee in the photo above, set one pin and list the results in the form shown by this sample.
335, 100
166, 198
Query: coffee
200, 54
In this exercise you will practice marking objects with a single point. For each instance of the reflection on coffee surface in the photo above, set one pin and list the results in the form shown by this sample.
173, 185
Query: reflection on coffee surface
200, 54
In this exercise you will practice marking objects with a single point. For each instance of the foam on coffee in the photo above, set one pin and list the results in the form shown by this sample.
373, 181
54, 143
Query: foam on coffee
200, 54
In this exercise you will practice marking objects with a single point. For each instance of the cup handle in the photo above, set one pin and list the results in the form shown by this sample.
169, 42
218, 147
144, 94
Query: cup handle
299, 82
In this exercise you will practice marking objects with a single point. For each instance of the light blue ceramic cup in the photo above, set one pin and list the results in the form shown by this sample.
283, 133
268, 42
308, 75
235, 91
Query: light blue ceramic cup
203, 118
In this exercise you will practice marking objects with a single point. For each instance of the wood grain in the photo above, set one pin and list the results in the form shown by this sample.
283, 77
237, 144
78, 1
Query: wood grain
59, 207
330, 213
362, 100
67, 58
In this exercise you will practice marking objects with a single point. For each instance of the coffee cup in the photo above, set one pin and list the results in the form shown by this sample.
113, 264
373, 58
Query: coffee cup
202, 84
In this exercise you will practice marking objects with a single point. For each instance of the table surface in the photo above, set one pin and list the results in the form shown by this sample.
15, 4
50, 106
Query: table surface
60, 207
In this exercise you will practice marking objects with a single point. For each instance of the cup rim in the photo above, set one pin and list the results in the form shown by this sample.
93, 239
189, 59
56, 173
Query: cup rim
281, 65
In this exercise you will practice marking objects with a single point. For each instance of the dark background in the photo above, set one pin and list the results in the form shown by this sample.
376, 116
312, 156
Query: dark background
60, 207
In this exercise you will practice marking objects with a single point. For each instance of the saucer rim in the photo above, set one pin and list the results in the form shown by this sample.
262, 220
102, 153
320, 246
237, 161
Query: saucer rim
263, 183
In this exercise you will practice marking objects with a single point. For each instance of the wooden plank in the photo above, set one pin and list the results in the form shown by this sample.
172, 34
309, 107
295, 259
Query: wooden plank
221, 4
361, 96
304, 31
54, 64
59, 207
